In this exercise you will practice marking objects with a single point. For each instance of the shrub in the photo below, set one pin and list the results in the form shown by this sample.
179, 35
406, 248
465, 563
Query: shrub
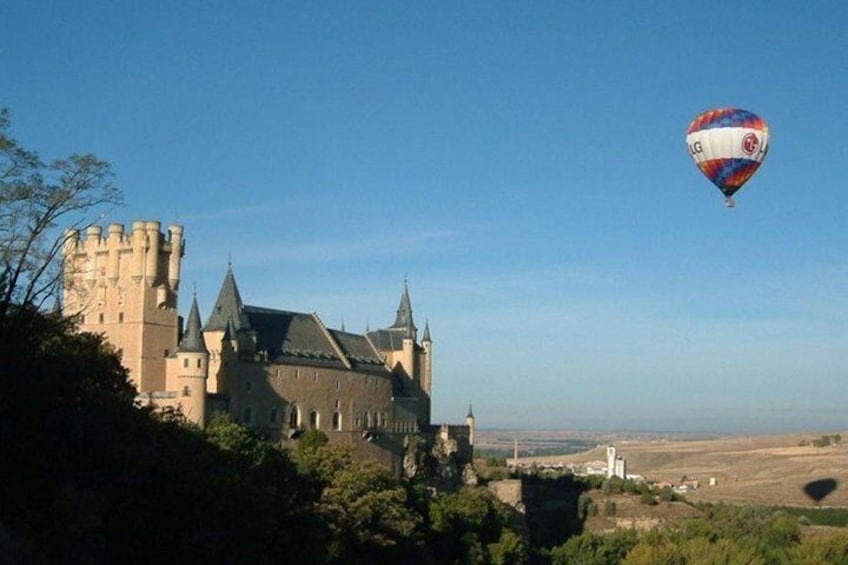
647, 497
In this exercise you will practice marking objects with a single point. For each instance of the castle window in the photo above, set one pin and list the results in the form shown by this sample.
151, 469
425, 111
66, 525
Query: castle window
120, 317
273, 416
313, 420
377, 419
338, 385
100, 318
357, 421
199, 363
247, 416
248, 386
186, 391
315, 376
338, 404
367, 420
166, 353
185, 362
294, 417
337, 421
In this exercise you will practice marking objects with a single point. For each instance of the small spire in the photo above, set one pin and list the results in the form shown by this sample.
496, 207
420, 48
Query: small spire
470, 412
404, 313
426, 331
343, 327
192, 341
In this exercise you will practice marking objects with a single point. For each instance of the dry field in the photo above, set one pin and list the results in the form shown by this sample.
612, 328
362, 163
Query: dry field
769, 470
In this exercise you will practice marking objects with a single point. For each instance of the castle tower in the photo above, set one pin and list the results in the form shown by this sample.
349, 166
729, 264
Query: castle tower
427, 361
403, 322
226, 321
192, 369
126, 286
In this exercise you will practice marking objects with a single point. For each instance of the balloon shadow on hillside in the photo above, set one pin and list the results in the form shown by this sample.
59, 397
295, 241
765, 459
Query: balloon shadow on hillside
817, 490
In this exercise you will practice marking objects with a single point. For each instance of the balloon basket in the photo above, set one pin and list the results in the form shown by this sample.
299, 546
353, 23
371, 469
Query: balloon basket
730, 203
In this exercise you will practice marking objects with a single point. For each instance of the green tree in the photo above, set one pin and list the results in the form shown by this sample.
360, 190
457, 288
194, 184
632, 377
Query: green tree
228, 435
367, 515
595, 549
820, 550
583, 503
509, 549
466, 523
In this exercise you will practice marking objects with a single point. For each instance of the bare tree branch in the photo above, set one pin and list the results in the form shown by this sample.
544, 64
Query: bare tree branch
35, 199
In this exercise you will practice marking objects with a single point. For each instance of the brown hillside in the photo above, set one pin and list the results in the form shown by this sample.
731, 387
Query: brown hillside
768, 470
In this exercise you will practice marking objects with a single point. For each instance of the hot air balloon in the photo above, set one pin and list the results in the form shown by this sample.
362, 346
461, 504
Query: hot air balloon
728, 145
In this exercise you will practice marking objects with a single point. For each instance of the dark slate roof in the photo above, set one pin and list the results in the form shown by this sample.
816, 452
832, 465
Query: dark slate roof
301, 338
228, 305
296, 337
404, 313
426, 331
192, 341
357, 349
390, 339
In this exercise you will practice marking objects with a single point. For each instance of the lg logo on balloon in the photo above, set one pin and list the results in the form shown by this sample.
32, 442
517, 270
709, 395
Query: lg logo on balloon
750, 143
695, 148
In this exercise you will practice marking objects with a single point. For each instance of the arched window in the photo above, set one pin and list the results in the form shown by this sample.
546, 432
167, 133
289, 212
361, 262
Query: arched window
337, 421
313, 420
367, 420
294, 417
248, 415
186, 391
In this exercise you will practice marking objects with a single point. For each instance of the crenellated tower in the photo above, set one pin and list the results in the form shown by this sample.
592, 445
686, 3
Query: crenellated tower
125, 285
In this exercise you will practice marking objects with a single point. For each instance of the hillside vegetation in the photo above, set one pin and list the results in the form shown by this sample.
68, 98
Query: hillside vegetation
763, 470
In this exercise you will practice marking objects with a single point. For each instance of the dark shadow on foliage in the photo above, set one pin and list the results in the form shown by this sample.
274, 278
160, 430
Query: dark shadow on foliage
552, 509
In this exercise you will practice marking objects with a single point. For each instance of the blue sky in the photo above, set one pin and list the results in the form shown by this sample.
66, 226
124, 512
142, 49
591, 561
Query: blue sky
521, 163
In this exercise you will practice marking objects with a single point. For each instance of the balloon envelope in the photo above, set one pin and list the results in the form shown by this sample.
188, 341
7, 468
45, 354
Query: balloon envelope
728, 145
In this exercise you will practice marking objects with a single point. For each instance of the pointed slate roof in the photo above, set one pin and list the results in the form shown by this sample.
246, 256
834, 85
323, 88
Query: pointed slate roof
292, 337
404, 313
426, 331
392, 338
228, 306
192, 341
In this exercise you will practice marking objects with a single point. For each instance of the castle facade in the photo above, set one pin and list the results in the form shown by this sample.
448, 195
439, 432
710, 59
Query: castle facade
275, 371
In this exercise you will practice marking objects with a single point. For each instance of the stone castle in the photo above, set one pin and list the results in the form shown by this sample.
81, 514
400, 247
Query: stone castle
275, 371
